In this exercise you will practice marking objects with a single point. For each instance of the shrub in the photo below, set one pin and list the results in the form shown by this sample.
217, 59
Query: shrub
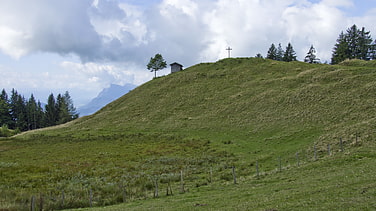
4, 131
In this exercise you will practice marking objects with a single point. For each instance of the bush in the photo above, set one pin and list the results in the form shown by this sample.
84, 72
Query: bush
6, 132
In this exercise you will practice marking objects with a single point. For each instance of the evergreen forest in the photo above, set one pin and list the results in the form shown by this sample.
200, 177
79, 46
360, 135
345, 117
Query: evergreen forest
20, 114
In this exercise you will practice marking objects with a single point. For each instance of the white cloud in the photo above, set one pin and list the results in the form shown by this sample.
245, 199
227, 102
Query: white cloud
11, 44
48, 26
319, 24
169, 8
114, 39
187, 30
106, 74
338, 3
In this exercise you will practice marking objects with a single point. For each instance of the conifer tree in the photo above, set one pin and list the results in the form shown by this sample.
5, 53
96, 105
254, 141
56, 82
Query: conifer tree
51, 112
365, 44
5, 118
32, 113
40, 115
71, 109
340, 51
352, 41
280, 53
311, 56
372, 51
66, 110
290, 54
272, 52
18, 111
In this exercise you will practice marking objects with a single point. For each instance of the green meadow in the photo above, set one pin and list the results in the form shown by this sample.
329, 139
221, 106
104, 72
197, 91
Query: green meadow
294, 136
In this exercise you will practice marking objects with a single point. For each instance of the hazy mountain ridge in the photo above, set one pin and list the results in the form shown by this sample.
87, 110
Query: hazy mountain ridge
106, 96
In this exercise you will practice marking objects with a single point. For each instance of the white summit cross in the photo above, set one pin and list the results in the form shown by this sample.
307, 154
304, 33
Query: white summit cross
229, 51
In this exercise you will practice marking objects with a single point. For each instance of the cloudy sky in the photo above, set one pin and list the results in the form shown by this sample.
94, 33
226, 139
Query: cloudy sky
85, 45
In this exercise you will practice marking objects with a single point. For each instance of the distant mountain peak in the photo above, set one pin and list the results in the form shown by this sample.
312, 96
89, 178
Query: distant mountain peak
107, 95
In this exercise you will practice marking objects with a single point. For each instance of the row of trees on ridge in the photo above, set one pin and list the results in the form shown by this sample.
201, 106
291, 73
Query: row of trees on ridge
289, 55
355, 43
278, 54
18, 113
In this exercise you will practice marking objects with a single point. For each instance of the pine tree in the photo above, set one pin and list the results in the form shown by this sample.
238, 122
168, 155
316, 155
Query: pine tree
290, 54
311, 56
18, 111
280, 53
272, 52
32, 113
4, 111
51, 112
5, 118
365, 44
71, 109
66, 110
340, 51
372, 51
40, 115
353, 42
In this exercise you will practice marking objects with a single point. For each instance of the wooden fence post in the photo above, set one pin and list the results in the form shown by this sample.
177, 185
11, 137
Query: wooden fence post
181, 182
280, 163
32, 204
257, 169
211, 175
329, 153
156, 194
124, 194
234, 174
315, 152
40, 202
169, 189
62, 199
297, 159
91, 197
341, 144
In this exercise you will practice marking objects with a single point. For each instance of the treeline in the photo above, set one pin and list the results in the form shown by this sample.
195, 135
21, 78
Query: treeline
17, 113
279, 54
355, 43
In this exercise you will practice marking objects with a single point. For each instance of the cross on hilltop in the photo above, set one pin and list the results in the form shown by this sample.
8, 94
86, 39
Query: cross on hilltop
229, 51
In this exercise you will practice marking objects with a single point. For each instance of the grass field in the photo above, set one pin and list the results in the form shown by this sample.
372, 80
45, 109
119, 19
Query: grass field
202, 121
341, 182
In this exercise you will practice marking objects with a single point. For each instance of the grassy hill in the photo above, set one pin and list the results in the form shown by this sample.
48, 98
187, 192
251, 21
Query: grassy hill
241, 112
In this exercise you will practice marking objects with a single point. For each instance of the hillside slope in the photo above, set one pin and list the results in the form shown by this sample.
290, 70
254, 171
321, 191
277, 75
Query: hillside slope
204, 121
248, 98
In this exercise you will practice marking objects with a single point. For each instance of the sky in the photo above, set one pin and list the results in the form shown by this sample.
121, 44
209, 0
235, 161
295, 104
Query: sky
83, 46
